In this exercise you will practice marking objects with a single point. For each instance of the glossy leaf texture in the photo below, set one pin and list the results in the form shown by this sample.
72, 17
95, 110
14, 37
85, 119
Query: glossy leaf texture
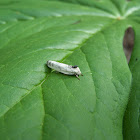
37, 103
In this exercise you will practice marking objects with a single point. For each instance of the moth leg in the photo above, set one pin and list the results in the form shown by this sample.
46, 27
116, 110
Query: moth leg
77, 76
56, 71
81, 74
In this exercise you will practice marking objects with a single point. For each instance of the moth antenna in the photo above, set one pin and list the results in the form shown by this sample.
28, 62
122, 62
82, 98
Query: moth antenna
77, 77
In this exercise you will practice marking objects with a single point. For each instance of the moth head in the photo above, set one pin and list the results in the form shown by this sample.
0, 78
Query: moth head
77, 71
74, 66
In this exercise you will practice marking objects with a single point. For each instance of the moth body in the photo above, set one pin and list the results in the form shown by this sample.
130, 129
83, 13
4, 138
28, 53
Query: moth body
64, 68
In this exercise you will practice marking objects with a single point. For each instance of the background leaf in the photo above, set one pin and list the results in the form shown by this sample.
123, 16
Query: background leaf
36, 103
132, 115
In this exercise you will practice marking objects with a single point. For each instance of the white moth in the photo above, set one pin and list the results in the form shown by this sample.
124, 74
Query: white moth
64, 68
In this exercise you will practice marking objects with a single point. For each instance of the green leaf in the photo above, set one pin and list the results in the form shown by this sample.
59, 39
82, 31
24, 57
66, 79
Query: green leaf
36, 103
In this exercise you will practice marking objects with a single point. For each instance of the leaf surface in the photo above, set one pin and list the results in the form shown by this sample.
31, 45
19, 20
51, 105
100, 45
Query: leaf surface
39, 104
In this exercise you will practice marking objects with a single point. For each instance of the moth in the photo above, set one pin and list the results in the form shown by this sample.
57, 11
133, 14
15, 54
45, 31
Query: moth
64, 68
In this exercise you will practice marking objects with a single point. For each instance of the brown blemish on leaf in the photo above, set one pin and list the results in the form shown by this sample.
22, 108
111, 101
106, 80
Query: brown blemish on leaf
128, 43
118, 18
77, 22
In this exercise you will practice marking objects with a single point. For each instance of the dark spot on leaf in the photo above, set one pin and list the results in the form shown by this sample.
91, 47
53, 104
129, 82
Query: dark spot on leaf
136, 59
128, 43
77, 22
